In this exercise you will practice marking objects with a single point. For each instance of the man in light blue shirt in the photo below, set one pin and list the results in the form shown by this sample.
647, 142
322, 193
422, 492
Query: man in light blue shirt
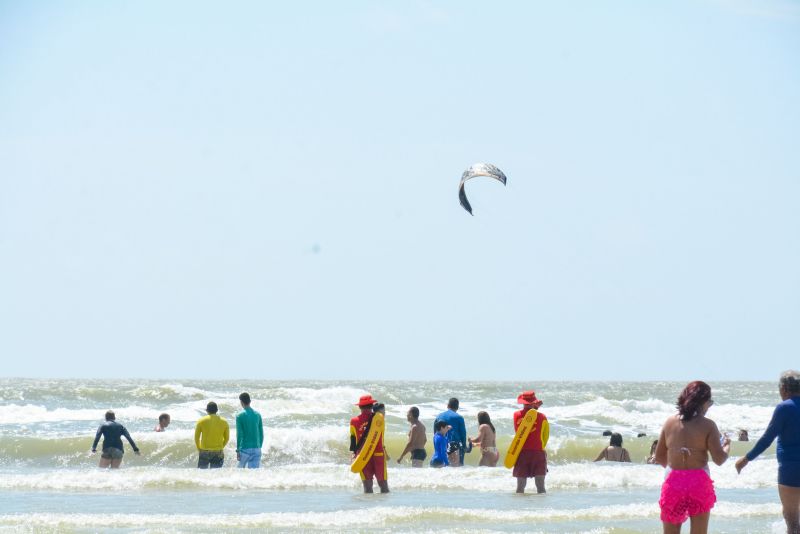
457, 435
249, 434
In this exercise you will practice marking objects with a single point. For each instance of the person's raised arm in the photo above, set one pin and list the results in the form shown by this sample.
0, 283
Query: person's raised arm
130, 440
97, 438
661, 449
718, 446
764, 441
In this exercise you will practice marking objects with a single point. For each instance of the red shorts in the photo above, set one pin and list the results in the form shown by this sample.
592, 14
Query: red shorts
376, 467
530, 464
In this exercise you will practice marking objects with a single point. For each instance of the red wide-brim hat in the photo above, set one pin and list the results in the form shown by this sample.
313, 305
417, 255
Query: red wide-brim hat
528, 398
366, 400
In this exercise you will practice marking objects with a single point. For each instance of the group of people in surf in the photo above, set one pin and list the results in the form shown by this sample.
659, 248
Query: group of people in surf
685, 443
526, 454
211, 435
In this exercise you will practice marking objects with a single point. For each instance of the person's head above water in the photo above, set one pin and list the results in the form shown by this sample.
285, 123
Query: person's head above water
413, 413
616, 440
692, 400
244, 398
452, 404
110, 415
212, 408
790, 384
164, 420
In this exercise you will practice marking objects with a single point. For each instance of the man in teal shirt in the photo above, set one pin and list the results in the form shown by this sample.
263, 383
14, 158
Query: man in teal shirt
249, 434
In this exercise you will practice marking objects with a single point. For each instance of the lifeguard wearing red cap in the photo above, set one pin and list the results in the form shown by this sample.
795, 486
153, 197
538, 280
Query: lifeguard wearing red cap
365, 400
528, 398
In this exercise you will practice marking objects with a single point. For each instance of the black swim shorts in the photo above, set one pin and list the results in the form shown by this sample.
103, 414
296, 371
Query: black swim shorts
418, 454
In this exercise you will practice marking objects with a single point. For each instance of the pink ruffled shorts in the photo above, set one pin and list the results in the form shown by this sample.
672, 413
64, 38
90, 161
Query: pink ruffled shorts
686, 493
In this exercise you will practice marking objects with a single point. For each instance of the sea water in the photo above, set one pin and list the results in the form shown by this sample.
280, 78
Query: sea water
50, 483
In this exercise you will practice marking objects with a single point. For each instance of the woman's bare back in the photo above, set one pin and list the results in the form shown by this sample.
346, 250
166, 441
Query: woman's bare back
687, 444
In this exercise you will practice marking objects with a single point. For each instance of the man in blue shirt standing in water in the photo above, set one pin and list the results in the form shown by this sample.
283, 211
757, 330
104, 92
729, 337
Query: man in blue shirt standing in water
249, 434
457, 433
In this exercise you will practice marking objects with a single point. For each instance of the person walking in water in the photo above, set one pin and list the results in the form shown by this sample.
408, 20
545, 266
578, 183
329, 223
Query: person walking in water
486, 441
457, 435
532, 460
376, 466
785, 425
112, 433
615, 452
683, 447
211, 434
416, 439
249, 434
440, 430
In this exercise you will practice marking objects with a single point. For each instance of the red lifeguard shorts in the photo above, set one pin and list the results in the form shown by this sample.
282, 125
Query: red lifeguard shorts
530, 464
376, 467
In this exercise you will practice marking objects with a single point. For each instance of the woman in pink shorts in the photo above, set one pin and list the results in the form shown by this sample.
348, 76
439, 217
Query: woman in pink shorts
683, 447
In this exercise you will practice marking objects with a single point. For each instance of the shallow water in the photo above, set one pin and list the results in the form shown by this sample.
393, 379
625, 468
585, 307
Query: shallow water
48, 482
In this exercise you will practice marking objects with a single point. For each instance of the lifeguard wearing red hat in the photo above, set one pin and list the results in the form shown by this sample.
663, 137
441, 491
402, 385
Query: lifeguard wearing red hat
376, 466
532, 460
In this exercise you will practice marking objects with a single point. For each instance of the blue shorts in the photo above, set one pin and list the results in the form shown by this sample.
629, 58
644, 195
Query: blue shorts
250, 458
789, 474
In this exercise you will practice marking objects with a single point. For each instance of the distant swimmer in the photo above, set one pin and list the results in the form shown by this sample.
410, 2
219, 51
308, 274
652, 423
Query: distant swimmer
615, 452
457, 436
651, 458
743, 435
374, 463
486, 441
163, 422
249, 434
683, 447
440, 430
211, 434
112, 433
531, 461
784, 425
416, 439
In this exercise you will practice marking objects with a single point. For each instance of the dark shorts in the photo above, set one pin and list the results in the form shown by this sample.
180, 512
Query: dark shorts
530, 464
112, 453
418, 454
789, 474
212, 459
376, 467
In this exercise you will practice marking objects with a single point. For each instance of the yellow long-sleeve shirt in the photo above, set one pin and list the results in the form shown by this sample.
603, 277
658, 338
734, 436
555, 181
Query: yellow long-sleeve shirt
211, 433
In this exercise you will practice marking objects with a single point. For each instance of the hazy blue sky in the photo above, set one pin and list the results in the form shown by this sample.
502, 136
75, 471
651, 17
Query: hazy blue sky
268, 190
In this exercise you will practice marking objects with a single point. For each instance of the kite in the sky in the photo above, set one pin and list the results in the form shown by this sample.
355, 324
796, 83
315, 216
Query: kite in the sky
478, 169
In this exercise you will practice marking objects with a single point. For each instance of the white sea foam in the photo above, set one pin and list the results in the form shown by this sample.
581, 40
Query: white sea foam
574, 476
379, 516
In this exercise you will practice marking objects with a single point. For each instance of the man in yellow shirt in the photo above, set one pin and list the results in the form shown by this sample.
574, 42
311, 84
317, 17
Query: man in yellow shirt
211, 434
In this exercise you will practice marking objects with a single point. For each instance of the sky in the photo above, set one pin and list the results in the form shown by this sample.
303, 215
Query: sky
268, 190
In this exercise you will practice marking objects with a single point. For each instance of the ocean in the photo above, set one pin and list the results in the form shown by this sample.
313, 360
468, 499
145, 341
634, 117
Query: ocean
49, 482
